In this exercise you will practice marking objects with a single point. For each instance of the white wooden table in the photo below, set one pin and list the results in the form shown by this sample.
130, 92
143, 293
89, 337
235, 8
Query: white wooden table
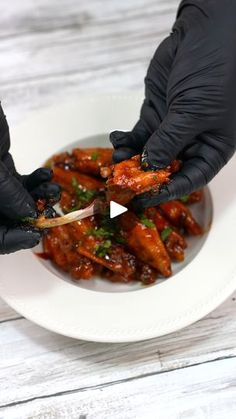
51, 51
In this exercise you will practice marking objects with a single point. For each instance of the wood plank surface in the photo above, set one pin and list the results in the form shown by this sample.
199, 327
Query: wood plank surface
205, 391
50, 53
6, 313
47, 363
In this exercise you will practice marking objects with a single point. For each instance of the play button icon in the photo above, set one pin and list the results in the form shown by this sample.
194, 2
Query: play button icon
116, 209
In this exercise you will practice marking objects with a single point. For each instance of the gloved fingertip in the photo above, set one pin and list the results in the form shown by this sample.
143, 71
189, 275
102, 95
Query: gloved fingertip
163, 196
147, 164
32, 240
122, 139
36, 178
117, 136
44, 174
18, 238
123, 153
49, 191
151, 200
28, 212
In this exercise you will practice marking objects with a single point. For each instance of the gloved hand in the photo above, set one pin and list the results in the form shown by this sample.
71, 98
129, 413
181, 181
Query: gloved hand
17, 195
190, 101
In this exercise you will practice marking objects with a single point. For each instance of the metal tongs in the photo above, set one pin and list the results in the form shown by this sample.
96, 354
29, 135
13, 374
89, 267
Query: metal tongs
97, 207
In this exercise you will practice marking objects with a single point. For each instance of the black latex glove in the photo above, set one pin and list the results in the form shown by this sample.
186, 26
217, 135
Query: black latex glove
190, 101
17, 195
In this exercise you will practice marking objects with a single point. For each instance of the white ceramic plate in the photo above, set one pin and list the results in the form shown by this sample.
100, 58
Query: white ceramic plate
105, 312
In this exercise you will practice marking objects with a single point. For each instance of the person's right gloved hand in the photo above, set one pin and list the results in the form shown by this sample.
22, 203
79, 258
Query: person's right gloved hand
17, 197
190, 101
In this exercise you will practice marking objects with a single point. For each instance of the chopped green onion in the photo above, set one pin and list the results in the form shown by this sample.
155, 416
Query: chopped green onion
146, 222
101, 250
83, 195
94, 156
166, 233
185, 199
100, 232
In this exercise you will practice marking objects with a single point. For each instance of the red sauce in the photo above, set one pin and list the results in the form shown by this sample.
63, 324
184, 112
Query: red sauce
43, 255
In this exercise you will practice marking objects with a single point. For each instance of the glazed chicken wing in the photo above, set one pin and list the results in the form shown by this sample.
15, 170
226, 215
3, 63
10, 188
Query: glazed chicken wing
100, 250
127, 179
85, 160
60, 248
78, 190
144, 273
180, 216
173, 240
90, 160
66, 179
145, 243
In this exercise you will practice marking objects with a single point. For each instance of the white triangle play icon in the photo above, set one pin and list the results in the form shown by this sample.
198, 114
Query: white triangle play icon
116, 209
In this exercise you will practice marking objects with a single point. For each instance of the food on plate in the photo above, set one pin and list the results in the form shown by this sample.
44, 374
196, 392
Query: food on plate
180, 216
174, 241
131, 247
127, 179
85, 160
91, 160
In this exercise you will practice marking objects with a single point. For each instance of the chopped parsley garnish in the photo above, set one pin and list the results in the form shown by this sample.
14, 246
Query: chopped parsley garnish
146, 221
100, 232
185, 198
101, 250
94, 156
83, 195
166, 233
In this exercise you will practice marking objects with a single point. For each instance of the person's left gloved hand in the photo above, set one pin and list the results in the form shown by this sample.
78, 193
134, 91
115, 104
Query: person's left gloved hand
18, 195
38, 184
190, 101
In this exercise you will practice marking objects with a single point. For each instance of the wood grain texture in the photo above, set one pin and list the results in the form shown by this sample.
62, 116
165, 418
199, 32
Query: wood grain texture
205, 391
51, 52
46, 363
6, 313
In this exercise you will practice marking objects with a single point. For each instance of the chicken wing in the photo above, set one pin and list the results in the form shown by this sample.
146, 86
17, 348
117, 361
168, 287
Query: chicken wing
145, 243
90, 160
60, 247
173, 240
127, 179
81, 188
144, 273
100, 250
180, 216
